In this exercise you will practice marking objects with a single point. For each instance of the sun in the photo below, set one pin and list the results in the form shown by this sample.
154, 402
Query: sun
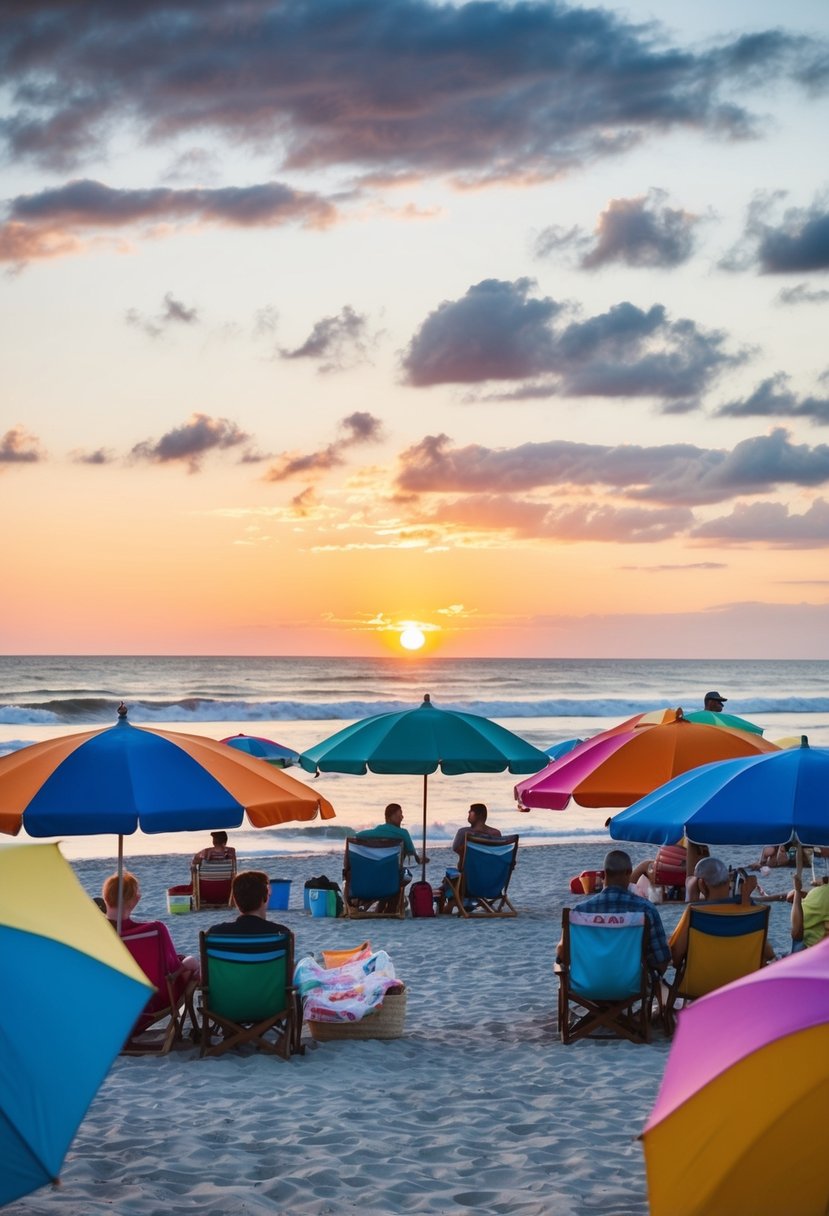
412, 638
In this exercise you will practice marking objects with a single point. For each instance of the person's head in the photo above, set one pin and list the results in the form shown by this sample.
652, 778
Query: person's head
219, 839
251, 890
713, 878
617, 868
477, 814
394, 814
714, 702
131, 892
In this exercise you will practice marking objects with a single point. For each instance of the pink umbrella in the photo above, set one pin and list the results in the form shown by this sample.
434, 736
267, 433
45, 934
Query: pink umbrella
739, 1121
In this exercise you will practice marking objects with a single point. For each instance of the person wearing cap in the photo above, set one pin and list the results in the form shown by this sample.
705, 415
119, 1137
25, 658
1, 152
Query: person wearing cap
219, 850
714, 702
714, 881
616, 897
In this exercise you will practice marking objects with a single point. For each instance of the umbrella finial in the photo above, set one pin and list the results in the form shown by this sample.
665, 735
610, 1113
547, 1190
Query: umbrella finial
427, 700
122, 712
680, 714
804, 740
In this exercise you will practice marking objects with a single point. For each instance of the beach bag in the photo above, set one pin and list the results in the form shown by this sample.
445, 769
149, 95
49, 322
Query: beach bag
421, 900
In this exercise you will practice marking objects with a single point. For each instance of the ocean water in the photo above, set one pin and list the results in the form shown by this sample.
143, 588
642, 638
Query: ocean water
300, 701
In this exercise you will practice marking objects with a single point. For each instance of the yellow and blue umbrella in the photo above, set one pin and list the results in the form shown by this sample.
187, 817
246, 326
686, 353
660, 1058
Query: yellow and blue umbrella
70, 995
739, 1124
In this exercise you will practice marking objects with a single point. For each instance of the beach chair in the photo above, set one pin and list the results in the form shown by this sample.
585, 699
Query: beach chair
168, 1005
479, 889
212, 884
669, 868
725, 942
605, 988
247, 994
374, 882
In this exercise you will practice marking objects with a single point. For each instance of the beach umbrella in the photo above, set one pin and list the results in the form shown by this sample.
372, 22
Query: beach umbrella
263, 749
561, 749
739, 1121
619, 766
71, 994
423, 740
776, 796
123, 777
709, 718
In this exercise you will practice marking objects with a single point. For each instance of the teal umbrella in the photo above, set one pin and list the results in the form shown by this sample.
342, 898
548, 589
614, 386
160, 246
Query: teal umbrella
709, 718
423, 740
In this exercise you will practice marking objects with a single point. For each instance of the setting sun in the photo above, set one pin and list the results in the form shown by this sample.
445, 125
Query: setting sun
412, 638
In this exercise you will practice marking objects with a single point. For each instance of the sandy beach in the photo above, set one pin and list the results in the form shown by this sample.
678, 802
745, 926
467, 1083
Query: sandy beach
478, 1108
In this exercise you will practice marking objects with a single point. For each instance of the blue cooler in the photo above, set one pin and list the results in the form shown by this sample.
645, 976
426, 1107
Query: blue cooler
322, 903
280, 894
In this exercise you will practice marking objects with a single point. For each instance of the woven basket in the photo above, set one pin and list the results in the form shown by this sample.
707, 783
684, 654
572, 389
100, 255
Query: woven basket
383, 1023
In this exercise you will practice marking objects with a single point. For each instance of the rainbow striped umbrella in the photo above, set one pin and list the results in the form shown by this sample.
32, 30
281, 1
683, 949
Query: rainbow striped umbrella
71, 994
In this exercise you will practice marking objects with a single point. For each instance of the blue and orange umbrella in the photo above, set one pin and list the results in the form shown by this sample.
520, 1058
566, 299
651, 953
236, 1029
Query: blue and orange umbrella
71, 994
739, 1124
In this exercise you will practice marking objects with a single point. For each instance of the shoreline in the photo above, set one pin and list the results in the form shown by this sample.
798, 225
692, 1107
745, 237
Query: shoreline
478, 1108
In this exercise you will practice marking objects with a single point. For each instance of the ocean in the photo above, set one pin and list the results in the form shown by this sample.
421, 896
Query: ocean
300, 701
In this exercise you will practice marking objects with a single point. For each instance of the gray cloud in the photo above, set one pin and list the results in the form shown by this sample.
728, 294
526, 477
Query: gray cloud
17, 446
335, 342
773, 399
795, 243
672, 568
485, 90
357, 429
671, 473
770, 523
802, 293
498, 331
97, 457
173, 312
637, 232
191, 442
52, 222
583, 522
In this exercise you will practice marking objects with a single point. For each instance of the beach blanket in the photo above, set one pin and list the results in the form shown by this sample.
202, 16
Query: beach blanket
347, 993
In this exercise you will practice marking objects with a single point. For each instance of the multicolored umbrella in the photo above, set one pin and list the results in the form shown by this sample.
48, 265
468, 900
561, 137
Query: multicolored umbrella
619, 766
739, 1124
778, 796
423, 740
71, 994
263, 749
709, 718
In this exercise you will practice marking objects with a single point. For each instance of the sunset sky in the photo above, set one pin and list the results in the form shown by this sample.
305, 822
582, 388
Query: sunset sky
506, 320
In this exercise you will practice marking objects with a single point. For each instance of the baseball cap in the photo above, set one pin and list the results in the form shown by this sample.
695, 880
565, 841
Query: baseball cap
715, 696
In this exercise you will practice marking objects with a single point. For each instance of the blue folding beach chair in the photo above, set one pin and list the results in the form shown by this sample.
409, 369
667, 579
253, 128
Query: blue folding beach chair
374, 880
605, 987
480, 886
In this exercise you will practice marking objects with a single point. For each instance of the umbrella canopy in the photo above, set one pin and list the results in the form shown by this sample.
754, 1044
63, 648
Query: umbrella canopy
709, 718
71, 993
619, 766
264, 749
561, 749
423, 740
776, 796
125, 777
739, 1121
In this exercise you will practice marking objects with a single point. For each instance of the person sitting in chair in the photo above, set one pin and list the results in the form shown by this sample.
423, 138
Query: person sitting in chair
131, 894
219, 850
476, 825
393, 829
616, 897
251, 892
714, 880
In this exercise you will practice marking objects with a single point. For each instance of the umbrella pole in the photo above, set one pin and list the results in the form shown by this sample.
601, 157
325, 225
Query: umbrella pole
120, 885
423, 854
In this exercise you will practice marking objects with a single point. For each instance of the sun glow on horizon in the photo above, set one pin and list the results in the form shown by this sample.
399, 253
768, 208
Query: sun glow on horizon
412, 637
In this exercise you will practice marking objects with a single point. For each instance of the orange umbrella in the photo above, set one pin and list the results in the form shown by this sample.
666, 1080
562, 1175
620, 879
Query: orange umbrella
622, 765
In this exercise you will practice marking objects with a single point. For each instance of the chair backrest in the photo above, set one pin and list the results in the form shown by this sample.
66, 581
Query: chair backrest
604, 952
725, 942
145, 946
670, 866
373, 867
487, 865
213, 881
247, 978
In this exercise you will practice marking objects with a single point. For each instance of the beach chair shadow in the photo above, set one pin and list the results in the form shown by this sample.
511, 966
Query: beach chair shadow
605, 988
212, 884
374, 882
480, 887
160, 1023
725, 942
247, 995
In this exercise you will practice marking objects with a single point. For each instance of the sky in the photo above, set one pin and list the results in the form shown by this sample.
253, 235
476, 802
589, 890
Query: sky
327, 319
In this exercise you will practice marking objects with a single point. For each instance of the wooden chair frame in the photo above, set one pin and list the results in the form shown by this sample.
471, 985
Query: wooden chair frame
360, 906
254, 950
459, 897
626, 1017
171, 1002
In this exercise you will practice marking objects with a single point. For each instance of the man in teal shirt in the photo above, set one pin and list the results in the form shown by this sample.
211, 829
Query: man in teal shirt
394, 831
